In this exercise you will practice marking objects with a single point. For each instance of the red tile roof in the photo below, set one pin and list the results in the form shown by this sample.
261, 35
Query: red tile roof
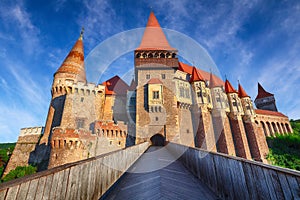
154, 37
242, 92
74, 62
115, 85
154, 81
216, 81
196, 76
268, 112
229, 88
262, 93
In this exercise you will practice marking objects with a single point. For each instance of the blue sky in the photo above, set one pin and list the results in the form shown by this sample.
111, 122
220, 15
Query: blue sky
249, 41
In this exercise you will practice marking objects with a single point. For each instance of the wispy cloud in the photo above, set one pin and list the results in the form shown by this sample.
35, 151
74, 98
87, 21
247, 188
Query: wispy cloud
18, 21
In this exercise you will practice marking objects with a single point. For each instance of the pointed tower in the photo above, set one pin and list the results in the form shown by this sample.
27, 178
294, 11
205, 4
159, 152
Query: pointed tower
71, 71
233, 99
202, 105
154, 48
255, 135
155, 61
265, 100
221, 125
246, 102
236, 122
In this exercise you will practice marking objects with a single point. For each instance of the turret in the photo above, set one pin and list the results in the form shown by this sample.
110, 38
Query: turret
265, 100
154, 47
71, 71
246, 102
233, 99
201, 92
219, 97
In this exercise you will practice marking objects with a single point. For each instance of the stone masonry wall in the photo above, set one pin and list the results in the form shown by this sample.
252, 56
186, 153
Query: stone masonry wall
27, 141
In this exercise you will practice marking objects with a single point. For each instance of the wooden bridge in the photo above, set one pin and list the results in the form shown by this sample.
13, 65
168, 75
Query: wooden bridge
170, 172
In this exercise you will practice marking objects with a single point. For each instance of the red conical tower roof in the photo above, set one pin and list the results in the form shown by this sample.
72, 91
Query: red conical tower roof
154, 37
196, 76
229, 88
213, 82
242, 92
262, 93
74, 62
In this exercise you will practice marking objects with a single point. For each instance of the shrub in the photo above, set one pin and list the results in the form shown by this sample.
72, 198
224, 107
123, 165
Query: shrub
19, 172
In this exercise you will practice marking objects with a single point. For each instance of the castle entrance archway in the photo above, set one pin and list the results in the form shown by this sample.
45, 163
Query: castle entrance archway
157, 140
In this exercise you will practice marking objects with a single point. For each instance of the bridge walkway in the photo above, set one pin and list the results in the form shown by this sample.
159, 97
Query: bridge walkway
157, 174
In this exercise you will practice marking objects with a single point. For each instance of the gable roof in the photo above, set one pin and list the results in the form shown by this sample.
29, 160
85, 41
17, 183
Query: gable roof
115, 85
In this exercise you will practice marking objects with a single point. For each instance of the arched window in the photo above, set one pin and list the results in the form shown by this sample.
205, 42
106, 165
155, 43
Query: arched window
138, 55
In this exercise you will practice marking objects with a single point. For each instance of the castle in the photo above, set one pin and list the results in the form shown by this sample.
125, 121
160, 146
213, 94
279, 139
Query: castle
167, 101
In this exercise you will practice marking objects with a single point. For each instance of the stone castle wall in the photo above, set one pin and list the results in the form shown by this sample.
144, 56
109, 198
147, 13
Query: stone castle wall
26, 144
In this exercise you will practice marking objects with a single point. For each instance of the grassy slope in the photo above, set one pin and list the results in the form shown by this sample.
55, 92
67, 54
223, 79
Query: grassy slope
285, 149
6, 150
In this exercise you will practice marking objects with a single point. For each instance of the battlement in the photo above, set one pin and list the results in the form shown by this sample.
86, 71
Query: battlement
38, 130
110, 129
78, 88
70, 138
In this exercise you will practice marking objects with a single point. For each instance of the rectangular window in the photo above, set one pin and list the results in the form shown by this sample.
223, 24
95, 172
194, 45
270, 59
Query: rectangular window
218, 99
181, 92
147, 76
155, 94
163, 76
187, 93
199, 94
234, 103
79, 123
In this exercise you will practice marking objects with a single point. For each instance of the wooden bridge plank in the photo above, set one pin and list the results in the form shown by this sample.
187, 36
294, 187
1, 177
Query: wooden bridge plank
171, 181
261, 186
23, 191
251, 183
285, 186
295, 189
12, 193
32, 189
47, 188
40, 188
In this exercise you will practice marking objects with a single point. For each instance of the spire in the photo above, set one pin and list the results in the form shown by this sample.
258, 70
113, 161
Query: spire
74, 62
262, 93
154, 37
196, 76
132, 86
242, 92
213, 82
229, 88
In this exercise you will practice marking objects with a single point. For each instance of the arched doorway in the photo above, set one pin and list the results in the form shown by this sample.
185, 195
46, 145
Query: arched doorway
157, 140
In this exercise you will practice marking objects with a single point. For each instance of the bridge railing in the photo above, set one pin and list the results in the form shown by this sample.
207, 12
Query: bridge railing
236, 178
86, 179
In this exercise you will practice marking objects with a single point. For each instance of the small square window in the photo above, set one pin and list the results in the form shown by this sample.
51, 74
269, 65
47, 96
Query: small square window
156, 118
163, 76
147, 76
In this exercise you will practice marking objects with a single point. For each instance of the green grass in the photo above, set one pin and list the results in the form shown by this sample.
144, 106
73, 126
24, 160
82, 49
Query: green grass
285, 149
